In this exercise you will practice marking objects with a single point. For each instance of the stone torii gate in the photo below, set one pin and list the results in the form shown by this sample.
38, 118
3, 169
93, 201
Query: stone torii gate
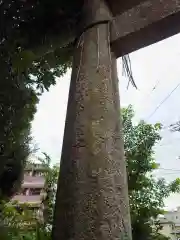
92, 197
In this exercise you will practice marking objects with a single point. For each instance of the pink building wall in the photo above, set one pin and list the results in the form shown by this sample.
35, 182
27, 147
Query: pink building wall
32, 187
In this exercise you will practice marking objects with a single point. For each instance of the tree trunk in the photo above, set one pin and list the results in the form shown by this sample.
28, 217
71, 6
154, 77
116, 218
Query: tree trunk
92, 197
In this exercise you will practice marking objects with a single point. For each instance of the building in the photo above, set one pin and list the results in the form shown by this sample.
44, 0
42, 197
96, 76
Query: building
32, 192
170, 224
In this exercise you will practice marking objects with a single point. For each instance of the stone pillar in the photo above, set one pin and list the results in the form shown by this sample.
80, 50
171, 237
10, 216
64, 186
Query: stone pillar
123, 196
92, 187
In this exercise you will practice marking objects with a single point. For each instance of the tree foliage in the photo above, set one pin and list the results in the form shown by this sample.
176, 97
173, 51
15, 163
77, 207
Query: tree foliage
33, 35
25, 73
146, 193
51, 177
17, 107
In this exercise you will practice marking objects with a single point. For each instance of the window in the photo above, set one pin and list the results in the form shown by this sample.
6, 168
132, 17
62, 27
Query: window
25, 191
29, 173
37, 173
35, 191
20, 192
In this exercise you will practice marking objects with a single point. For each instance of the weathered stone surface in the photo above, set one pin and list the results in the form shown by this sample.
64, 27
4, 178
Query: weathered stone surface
118, 6
92, 197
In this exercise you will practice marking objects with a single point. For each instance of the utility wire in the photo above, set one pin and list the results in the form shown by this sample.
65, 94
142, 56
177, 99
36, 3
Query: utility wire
127, 70
169, 169
157, 83
137, 144
164, 100
173, 141
170, 173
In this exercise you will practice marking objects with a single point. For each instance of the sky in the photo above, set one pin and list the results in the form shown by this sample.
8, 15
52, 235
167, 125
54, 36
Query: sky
156, 70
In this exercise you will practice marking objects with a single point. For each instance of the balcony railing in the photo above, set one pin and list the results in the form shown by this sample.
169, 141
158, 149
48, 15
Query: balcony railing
35, 199
33, 181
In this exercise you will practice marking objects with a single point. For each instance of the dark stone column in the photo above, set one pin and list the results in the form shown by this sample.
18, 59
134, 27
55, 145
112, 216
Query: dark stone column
92, 202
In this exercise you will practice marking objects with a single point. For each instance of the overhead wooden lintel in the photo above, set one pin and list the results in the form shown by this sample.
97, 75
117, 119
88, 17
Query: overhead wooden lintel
145, 24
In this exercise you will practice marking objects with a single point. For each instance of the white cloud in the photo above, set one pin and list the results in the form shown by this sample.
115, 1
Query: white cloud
48, 125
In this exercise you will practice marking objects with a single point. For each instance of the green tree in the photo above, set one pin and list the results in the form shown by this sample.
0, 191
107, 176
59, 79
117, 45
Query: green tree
17, 108
38, 60
51, 178
27, 67
146, 193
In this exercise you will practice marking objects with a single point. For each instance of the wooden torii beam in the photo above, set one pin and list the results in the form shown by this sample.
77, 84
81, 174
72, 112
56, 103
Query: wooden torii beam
92, 196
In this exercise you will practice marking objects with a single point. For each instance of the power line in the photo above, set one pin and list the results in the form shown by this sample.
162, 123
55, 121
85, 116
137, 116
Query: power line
174, 141
169, 169
157, 83
137, 144
149, 93
164, 100
127, 70
170, 173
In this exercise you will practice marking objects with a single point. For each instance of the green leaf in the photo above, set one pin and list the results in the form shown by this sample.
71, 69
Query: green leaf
23, 60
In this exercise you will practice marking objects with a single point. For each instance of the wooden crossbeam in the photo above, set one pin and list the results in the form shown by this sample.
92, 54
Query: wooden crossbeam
145, 24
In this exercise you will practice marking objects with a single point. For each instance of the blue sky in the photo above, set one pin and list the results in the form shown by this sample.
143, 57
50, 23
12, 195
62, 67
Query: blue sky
155, 66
